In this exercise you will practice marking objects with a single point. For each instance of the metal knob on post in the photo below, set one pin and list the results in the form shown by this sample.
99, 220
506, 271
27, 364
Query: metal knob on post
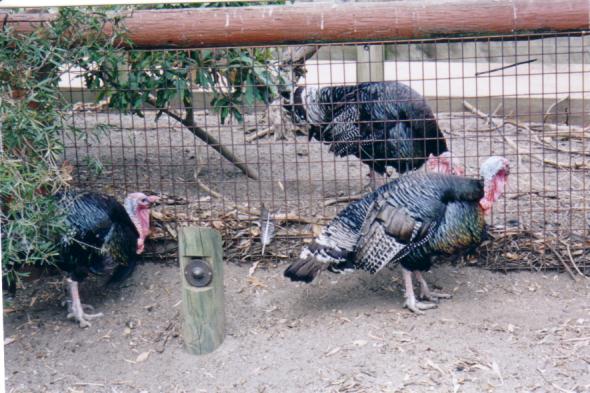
198, 273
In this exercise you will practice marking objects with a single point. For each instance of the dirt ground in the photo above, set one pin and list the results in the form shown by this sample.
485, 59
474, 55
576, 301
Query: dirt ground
520, 332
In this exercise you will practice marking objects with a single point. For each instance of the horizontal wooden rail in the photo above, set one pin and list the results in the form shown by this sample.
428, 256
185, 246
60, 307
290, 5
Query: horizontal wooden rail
76, 3
305, 23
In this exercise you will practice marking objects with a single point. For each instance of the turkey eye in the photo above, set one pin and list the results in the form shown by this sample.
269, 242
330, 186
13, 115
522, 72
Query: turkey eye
144, 200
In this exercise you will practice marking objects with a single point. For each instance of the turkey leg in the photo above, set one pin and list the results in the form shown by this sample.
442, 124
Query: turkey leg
425, 292
411, 303
76, 308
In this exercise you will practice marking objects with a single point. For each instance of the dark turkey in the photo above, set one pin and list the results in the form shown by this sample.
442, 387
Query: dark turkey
407, 222
103, 236
382, 123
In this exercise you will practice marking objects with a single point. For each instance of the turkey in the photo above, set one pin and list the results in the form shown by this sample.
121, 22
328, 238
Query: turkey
103, 235
407, 221
382, 123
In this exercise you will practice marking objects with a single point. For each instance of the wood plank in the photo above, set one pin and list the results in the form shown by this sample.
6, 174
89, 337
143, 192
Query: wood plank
303, 23
203, 308
370, 66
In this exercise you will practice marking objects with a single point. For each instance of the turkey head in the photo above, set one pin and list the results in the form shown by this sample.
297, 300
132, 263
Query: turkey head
137, 205
494, 171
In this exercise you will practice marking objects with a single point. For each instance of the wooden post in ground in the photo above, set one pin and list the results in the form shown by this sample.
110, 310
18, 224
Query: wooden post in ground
370, 63
203, 309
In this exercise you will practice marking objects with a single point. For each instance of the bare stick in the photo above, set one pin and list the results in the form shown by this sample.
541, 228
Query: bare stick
572, 261
207, 138
505, 67
259, 134
513, 144
473, 109
335, 201
567, 268
252, 211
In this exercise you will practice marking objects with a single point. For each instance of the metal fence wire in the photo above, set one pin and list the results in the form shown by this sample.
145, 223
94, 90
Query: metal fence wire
522, 96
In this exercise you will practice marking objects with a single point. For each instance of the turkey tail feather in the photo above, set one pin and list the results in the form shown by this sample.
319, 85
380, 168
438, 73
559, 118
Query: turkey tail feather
305, 269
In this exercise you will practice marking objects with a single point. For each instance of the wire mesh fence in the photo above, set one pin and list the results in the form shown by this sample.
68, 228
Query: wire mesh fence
523, 97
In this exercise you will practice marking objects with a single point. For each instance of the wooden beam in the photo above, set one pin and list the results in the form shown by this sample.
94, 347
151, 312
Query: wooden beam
370, 63
305, 23
85, 3
203, 327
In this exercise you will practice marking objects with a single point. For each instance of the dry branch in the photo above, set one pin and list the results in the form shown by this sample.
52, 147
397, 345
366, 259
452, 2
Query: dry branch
209, 139
254, 212
566, 267
560, 131
514, 145
259, 134
335, 201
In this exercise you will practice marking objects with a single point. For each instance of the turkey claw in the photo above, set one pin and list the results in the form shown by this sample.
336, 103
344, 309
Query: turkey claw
83, 318
76, 312
417, 307
434, 296
68, 303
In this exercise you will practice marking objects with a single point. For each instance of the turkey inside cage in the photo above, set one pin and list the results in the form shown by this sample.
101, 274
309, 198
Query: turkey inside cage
291, 136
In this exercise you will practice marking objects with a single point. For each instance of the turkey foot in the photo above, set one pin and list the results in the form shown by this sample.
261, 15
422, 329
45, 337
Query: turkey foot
417, 307
411, 303
76, 308
426, 293
68, 303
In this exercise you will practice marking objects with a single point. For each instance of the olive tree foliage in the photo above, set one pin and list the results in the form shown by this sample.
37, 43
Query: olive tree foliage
33, 111
135, 80
32, 121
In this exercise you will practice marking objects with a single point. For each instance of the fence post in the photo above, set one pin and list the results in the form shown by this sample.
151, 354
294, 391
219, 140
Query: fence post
201, 263
370, 62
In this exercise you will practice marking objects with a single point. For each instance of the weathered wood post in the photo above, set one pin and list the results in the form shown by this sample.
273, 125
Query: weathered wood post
201, 265
370, 66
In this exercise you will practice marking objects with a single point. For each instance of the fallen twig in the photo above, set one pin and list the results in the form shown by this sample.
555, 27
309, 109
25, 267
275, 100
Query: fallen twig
560, 131
513, 144
335, 201
259, 134
567, 268
539, 158
571, 258
252, 211
505, 67
553, 384
473, 109
165, 335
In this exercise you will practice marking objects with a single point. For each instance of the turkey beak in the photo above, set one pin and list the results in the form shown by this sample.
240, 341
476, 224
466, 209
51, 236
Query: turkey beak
153, 199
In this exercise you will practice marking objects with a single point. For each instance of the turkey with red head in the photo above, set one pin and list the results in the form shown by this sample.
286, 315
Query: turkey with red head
406, 222
103, 236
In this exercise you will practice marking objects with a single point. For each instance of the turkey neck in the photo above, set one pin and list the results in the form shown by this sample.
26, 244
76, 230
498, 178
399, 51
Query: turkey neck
141, 219
143, 215
493, 189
